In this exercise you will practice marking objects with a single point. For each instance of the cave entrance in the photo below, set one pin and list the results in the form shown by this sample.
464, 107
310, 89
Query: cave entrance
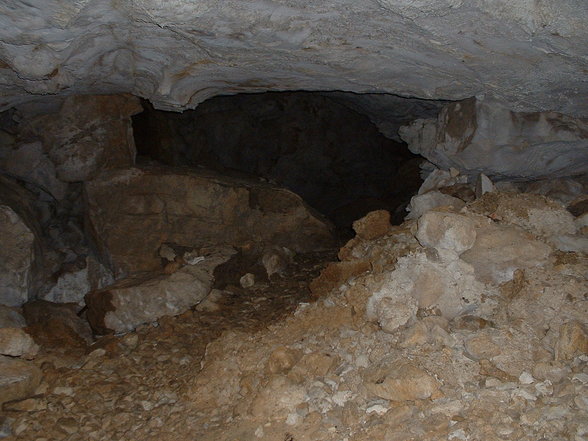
339, 151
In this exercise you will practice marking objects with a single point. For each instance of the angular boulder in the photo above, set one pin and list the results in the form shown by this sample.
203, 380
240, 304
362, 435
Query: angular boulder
481, 136
192, 208
87, 134
143, 298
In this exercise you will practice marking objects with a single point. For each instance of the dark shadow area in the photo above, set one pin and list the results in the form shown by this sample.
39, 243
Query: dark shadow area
314, 144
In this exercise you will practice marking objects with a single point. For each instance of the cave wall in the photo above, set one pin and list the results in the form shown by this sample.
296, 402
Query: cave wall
313, 144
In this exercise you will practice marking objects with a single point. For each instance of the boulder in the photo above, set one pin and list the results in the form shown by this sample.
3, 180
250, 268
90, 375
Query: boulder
16, 258
446, 231
422, 203
500, 250
88, 133
144, 298
18, 379
192, 208
15, 342
481, 136
373, 225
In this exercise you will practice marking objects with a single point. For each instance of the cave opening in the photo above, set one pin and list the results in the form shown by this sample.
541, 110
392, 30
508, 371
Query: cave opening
331, 148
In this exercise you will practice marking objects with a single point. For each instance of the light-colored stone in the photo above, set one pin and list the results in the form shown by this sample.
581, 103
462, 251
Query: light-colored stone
18, 379
402, 381
146, 297
446, 231
30, 163
568, 242
247, 280
535, 213
16, 258
71, 287
422, 203
193, 209
88, 134
482, 136
15, 342
573, 341
176, 53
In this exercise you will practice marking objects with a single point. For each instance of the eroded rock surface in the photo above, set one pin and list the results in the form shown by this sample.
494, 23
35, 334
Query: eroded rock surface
530, 55
482, 136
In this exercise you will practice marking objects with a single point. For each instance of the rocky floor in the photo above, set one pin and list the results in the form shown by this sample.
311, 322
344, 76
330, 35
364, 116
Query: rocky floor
466, 324
135, 386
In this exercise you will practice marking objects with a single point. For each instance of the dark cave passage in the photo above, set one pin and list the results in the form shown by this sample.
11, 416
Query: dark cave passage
312, 143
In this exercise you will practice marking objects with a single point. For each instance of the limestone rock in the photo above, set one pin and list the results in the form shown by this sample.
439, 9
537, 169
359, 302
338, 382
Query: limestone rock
277, 399
10, 318
402, 381
16, 258
15, 342
484, 185
192, 209
481, 136
372, 225
500, 250
88, 134
446, 231
144, 298
72, 286
18, 379
422, 203
444, 285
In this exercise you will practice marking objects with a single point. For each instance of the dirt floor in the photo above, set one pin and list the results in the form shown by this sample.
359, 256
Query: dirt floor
134, 387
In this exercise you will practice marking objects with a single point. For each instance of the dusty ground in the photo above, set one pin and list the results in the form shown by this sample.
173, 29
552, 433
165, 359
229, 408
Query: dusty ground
466, 325
134, 386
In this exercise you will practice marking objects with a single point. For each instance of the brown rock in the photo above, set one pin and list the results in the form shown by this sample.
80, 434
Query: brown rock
373, 225
192, 209
18, 379
337, 273
573, 341
145, 297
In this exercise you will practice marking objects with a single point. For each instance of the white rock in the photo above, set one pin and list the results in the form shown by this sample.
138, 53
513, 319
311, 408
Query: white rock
422, 203
484, 185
